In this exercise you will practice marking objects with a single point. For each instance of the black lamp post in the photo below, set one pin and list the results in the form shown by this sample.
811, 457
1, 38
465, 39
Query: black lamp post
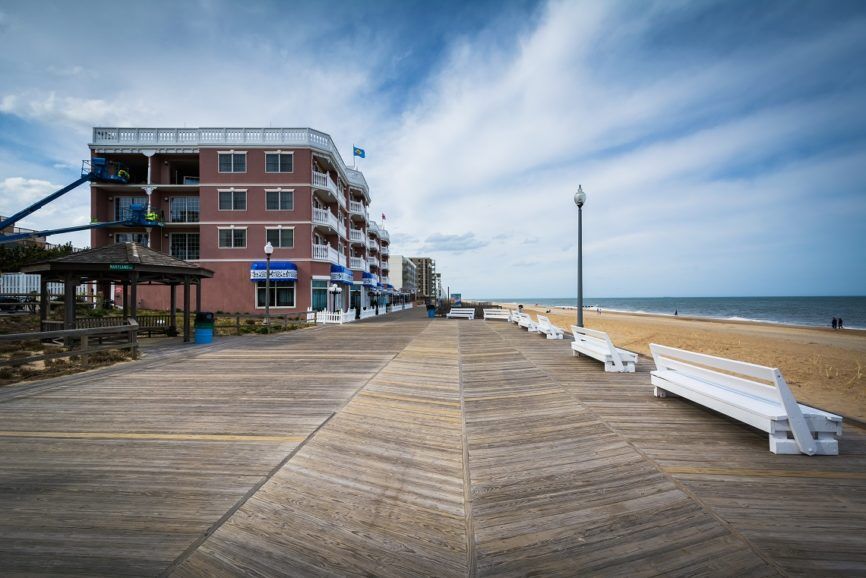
579, 200
269, 250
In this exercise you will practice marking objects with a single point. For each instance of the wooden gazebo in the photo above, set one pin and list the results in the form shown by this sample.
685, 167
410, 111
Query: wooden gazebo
126, 264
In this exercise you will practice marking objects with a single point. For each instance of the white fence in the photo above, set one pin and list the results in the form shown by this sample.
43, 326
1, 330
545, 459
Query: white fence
25, 283
341, 317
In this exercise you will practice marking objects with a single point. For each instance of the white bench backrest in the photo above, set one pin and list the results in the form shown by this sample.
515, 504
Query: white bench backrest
598, 338
462, 310
682, 361
543, 321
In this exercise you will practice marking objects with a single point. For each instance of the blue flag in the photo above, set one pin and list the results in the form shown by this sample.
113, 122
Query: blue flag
358, 152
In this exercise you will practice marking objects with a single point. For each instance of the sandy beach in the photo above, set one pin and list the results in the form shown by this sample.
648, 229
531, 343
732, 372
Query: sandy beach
824, 368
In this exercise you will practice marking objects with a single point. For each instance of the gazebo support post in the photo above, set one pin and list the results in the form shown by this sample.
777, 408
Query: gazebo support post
69, 302
44, 304
198, 297
134, 278
186, 308
173, 309
125, 300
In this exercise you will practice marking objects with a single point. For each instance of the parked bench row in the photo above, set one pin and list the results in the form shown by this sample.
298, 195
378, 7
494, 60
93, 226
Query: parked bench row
753, 394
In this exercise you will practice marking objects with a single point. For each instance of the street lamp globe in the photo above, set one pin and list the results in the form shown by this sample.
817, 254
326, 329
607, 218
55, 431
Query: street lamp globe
579, 196
269, 249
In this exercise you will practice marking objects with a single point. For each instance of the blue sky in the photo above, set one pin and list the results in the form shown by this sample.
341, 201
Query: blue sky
722, 145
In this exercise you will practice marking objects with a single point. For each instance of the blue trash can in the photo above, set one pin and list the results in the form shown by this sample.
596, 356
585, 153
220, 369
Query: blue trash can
203, 334
431, 313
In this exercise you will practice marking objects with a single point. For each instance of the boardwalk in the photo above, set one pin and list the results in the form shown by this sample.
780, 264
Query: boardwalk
399, 447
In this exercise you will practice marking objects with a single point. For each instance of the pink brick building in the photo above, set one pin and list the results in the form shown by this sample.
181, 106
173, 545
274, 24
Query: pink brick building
223, 193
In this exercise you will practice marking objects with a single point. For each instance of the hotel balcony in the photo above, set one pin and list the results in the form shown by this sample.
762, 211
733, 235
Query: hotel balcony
372, 261
358, 264
324, 182
372, 245
383, 234
357, 209
357, 237
384, 250
385, 280
329, 254
384, 265
327, 219
373, 229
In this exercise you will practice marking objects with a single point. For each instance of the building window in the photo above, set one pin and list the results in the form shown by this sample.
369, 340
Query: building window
233, 200
140, 238
232, 162
320, 295
184, 246
282, 294
284, 238
232, 238
280, 200
122, 207
278, 162
184, 210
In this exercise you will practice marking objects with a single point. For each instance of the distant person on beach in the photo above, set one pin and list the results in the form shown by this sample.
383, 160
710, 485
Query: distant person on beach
598, 310
834, 323
676, 313
840, 323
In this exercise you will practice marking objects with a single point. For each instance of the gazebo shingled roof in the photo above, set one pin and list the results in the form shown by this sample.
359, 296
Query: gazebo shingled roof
143, 259
129, 264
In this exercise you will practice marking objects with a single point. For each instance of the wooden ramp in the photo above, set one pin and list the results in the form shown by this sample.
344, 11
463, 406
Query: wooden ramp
408, 447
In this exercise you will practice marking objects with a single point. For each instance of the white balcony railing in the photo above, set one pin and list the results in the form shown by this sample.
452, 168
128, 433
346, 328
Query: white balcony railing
357, 236
386, 280
373, 229
372, 245
358, 208
384, 250
372, 261
323, 181
326, 218
196, 137
383, 234
358, 264
329, 254
344, 226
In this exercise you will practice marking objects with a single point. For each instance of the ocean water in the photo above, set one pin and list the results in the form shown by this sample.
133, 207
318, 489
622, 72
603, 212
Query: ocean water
810, 311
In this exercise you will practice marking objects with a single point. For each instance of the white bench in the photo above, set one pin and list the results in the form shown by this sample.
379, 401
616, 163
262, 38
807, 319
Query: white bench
769, 406
504, 314
597, 344
525, 321
548, 328
461, 313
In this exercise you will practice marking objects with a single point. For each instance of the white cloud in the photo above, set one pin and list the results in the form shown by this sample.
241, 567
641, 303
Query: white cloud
441, 243
18, 192
67, 110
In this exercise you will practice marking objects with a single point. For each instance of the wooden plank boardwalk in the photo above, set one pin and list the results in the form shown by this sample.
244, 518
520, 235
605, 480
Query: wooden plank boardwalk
406, 447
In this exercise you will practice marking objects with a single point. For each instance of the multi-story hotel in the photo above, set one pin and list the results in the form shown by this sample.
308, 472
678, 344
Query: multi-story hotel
223, 193
426, 276
404, 275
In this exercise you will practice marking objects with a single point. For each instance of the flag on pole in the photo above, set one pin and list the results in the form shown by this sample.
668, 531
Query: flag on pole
358, 152
383, 216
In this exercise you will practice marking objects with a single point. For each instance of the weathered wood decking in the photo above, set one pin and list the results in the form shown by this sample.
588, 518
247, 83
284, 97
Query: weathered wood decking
403, 447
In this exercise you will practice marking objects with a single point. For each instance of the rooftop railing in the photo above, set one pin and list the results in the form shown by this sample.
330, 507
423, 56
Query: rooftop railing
192, 137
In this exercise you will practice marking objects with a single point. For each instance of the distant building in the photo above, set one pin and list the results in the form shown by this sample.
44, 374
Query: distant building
225, 192
39, 241
425, 276
404, 275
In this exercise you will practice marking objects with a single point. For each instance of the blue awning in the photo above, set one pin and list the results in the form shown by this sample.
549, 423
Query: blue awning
367, 279
280, 271
340, 274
